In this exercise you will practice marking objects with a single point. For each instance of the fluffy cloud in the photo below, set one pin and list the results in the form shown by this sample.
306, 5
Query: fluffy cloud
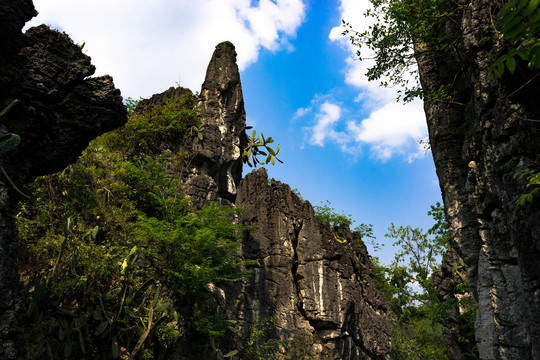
391, 128
149, 45
325, 120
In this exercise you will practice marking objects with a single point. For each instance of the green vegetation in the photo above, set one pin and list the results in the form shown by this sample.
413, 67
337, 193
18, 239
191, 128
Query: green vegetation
398, 26
517, 25
418, 314
115, 260
403, 29
262, 344
326, 212
533, 185
255, 148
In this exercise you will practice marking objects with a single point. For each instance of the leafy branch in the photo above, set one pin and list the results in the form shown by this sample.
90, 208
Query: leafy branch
256, 147
518, 23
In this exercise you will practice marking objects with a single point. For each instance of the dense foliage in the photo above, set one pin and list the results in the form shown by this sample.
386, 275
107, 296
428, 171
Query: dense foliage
117, 263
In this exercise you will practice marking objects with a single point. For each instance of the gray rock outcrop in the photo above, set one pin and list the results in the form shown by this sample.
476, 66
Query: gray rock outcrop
59, 110
308, 277
480, 141
217, 166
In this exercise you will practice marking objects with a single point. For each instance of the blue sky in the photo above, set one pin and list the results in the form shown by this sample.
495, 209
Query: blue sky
343, 139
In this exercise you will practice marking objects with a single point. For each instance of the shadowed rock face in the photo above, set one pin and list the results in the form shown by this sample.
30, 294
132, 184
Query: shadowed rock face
307, 276
60, 110
456, 330
479, 143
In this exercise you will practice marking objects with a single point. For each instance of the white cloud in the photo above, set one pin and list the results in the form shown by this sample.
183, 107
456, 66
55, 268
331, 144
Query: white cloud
328, 115
391, 128
148, 45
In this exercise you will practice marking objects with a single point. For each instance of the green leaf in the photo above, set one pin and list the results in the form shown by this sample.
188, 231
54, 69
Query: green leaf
133, 249
9, 142
522, 3
533, 5
534, 56
229, 354
511, 64
67, 348
535, 18
8, 108
515, 33
505, 16
164, 306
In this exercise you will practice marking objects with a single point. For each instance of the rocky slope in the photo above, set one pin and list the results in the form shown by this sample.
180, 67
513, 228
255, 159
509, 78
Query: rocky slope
59, 110
479, 142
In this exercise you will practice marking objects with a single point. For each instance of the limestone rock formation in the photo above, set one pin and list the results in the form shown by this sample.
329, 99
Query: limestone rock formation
218, 160
308, 277
479, 142
59, 111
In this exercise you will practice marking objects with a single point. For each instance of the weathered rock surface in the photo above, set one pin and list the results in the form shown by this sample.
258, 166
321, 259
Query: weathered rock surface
218, 159
457, 331
307, 277
479, 142
60, 111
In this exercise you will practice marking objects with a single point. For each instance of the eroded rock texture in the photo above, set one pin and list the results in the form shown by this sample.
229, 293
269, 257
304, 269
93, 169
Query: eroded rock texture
307, 276
479, 142
60, 110
218, 160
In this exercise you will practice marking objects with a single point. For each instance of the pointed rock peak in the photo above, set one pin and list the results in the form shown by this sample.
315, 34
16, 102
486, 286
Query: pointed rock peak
221, 106
222, 71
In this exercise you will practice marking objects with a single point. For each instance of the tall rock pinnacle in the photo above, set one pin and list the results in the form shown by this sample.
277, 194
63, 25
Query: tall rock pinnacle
221, 106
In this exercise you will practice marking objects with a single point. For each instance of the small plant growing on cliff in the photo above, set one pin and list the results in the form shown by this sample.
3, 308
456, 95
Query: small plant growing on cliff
256, 147
533, 185
517, 23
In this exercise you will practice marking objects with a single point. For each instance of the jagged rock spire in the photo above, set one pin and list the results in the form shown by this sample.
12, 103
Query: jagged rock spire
222, 111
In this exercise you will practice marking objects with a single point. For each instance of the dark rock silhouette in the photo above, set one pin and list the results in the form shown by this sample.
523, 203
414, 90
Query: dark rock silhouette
480, 141
218, 158
59, 110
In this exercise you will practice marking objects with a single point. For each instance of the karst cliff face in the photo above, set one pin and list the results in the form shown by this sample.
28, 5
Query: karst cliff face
306, 277
60, 109
479, 142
